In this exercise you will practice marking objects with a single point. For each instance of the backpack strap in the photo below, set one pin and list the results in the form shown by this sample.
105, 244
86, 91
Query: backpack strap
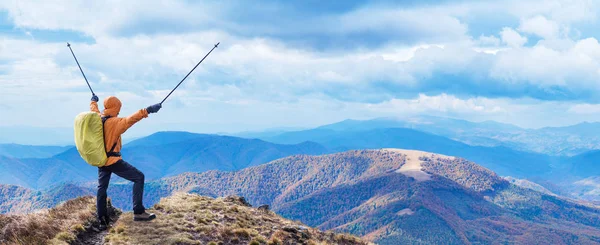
111, 153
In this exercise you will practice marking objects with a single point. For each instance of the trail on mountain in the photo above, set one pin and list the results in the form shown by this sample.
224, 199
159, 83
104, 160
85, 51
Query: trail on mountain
92, 235
185, 218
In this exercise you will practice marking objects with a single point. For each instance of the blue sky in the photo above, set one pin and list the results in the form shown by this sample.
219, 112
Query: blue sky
302, 63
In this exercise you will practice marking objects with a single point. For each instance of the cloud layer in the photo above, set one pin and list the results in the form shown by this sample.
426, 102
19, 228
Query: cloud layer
281, 64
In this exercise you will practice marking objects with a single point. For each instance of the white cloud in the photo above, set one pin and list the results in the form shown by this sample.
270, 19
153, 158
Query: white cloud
253, 77
103, 18
442, 103
585, 109
406, 54
588, 48
16, 49
575, 68
512, 38
540, 26
273, 74
562, 11
31, 68
438, 25
488, 40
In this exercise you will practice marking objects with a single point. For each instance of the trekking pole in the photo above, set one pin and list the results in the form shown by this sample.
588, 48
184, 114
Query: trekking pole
216, 45
88, 83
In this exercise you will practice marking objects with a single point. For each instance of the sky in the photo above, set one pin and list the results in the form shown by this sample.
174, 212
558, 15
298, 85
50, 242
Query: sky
300, 64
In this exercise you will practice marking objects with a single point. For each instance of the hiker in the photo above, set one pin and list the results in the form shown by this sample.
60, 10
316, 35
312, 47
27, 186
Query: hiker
113, 128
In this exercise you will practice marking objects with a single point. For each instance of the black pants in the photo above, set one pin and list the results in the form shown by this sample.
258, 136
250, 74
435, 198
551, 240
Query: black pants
125, 171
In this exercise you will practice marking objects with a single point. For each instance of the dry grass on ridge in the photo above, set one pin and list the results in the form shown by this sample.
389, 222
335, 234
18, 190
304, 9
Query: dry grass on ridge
59, 225
191, 219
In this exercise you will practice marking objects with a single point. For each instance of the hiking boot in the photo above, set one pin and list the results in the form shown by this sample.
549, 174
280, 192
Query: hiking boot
143, 217
102, 225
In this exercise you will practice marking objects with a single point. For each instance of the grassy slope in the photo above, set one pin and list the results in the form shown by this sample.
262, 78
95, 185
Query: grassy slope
182, 219
193, 219
59, 225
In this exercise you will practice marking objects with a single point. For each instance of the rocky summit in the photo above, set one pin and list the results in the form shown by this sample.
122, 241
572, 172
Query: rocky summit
182, 219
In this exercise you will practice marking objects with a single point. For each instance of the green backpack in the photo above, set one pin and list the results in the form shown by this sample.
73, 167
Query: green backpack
89, 138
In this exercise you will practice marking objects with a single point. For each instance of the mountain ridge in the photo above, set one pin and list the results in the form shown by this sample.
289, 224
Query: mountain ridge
462, 202
184, 152
182, 219
30, 151
376, 195
503, 160
556, 141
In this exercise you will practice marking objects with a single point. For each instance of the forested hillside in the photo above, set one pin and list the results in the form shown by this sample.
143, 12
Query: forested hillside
379, 195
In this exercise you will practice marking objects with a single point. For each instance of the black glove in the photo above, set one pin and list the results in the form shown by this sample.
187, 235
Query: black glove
154, 108
94, 98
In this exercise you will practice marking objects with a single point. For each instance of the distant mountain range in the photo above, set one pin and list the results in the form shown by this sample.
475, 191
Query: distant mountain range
503, 148
394, 196
556, 157
158, 155
16, 199
30, 151
170, 153
587, 164
503, 160
557, 141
